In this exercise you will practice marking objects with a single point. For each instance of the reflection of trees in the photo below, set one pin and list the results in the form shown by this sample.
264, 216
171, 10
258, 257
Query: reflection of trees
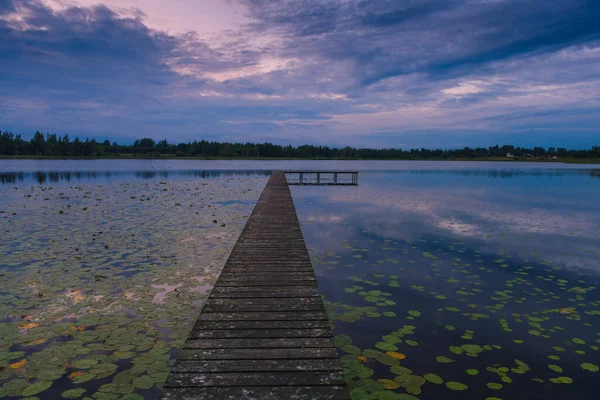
42, 177
499, 173
11, 177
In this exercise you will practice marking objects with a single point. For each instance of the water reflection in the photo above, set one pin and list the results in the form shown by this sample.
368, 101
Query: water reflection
496, 276
42, 177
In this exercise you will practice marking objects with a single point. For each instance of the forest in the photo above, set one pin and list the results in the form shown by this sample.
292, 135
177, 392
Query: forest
52, 145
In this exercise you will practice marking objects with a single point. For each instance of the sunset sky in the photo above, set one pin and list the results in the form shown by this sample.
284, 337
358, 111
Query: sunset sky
418, 73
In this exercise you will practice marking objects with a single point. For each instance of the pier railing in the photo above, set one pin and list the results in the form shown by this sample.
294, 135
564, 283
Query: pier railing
322, 178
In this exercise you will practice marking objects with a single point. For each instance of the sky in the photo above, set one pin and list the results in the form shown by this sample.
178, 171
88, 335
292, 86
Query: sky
379, 73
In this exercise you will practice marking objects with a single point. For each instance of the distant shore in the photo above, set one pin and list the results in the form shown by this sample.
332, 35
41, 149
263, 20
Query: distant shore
172, 157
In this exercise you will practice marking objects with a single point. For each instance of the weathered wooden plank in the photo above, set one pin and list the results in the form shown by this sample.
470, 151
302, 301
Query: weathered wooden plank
272, 289
263, 333
268, 282
339, 392
244, 325
268, 294
258, 333
215, 304
263, 316
249, 273
276, 270
266, 277
274, 302
257, 343
283, 378
257, 354
257, 365
262, 308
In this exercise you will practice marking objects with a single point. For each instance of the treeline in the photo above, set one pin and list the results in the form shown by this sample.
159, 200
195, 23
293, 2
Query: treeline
51, 145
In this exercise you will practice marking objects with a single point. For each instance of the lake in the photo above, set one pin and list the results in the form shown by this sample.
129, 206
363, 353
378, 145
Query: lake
442, 279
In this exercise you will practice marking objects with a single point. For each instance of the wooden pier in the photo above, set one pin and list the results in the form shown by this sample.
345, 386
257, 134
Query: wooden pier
263, 333
322, 178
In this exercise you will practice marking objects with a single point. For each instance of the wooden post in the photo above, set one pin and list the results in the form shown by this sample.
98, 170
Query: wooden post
335, 177
301, 176
318, 178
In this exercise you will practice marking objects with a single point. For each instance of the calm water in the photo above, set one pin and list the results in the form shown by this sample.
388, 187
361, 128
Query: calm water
483, 281
443, 279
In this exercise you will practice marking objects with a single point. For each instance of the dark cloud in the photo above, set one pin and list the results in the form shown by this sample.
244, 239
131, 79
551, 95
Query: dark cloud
78, 47
389, 38
6, 6
332, 72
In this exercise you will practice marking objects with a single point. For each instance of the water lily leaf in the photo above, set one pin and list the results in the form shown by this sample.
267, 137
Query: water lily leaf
387, 360
143, 382
444, 360
562, 380
73, 393
433, 378
124, 355
156, 351
132, 396
391, 339
372, 353
386, 346
339, 341
49, 374
36, 388
472, 348
83, 378
555, 368
388, 384
351, 349
18, 364
495, 386
456, 349
400, 370
414, 313
456, 386
472, 372
396, 355
86, 363
578, 341
590, 367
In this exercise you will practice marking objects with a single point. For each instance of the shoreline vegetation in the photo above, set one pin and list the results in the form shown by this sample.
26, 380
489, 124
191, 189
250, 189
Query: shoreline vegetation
51, 146
172, 157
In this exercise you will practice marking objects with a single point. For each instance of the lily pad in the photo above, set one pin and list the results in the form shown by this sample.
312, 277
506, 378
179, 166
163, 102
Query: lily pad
350, 349
555, 368
86, 363
590, 367
36, 388
84, 378
433, 378
444, 360
495, 385
456, 386
386, 346
562, 380
143, 382
73, 393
